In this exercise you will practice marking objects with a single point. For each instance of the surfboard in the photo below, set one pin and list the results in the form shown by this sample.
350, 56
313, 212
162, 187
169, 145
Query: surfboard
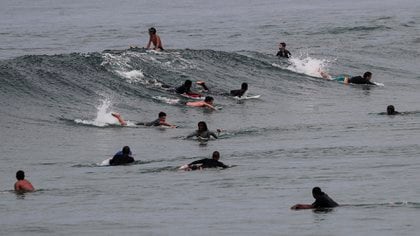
248, 97
105, 162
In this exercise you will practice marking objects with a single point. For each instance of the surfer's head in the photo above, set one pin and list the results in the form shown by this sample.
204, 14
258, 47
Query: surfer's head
282, 44
152, 30
162, 114
367, 75
316, 192
216, 155
188, 83
202, 126
20, 175
244, 86
209, 99
390, 110
126, 150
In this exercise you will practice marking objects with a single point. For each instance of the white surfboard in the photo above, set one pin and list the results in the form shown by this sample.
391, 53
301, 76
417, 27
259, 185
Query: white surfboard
105, 162
248, 97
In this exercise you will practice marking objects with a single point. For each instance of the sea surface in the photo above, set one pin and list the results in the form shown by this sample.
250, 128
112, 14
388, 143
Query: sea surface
66, 65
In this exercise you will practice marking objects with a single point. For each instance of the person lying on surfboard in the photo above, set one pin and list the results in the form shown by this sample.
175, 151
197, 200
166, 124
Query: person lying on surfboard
203, 132
185, 89
122, 157
206, 163
367, 76
208, 102
240, 92
161, 121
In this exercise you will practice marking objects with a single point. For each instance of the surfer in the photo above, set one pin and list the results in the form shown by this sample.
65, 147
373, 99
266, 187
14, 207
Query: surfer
322, 200
23, 185
390, 110
207, 163
203, 132
155, 39
367, 76
283, 52
240, 92
186, 88
208, 102
160, 121
122, 157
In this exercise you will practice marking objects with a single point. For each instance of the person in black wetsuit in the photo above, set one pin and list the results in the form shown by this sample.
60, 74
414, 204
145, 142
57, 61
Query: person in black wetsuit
158, 122
322, 200
207, 163
122, 157
390, 110
283, 52
367, 76
186, 88
203, 132
240, 92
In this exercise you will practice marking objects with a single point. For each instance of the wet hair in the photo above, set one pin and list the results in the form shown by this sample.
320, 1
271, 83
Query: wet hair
390, 110
367, 74
204, 125
152, 30
316, 191
188, 83
126, 150
216, 155
162, 114
283, 44
208, 99
20, 175
244, 86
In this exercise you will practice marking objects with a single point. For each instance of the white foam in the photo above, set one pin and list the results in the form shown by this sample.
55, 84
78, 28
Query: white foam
132, 76
103, 116
167, 100
308, 65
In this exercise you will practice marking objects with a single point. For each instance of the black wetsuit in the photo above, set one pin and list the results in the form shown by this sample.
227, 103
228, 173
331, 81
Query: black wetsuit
206, 163
204, 134
237, 93
324, 201
183, 89
121, 159
152, 123
359, 80
283, 53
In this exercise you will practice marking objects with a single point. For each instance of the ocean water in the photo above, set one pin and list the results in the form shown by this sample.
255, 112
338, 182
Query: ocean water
66, 65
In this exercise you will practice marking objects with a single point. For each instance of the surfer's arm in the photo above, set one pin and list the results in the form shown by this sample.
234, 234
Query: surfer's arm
167, 124
191, 135
149, 43
119, 118
209, 106
302, 206
213, 134
203, 84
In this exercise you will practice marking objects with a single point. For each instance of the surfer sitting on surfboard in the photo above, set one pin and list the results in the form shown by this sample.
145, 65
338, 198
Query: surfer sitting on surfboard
185, 89
208, 102
203, 132
206, 163
367, 76
240, 92
122, 157
155, 39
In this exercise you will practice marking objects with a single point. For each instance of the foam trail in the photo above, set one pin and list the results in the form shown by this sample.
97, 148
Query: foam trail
167, 100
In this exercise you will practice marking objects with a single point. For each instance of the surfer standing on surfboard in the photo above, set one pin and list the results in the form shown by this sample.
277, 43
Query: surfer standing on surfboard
185, 89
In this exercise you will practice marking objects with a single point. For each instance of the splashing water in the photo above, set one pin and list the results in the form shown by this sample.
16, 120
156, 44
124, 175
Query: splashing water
103, 116
308, 65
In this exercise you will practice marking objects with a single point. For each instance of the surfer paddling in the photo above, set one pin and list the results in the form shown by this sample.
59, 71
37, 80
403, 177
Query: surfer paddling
206, 163
185, 89
160, 121
365, 79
